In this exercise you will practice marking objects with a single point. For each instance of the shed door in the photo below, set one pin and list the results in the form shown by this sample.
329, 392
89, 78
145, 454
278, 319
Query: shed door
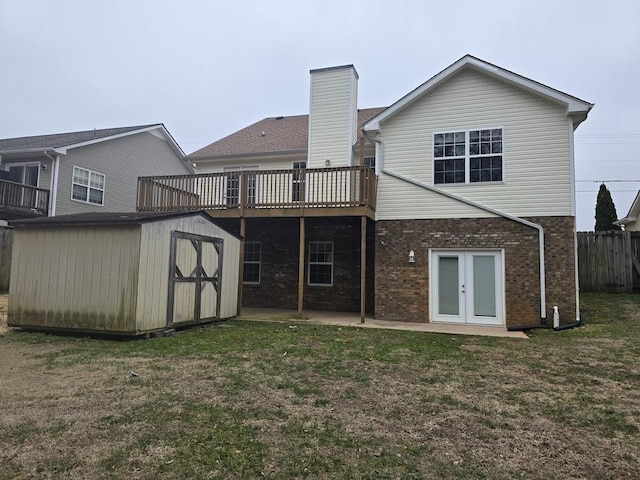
195, 272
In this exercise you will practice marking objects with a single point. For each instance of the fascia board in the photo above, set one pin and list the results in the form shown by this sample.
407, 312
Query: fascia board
634, 210
159, 126
27, 151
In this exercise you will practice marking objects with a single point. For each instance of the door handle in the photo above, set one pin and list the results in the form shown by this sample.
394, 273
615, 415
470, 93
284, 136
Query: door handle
461, 288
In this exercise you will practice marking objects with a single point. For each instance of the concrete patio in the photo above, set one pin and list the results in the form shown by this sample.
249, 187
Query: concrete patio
351, 319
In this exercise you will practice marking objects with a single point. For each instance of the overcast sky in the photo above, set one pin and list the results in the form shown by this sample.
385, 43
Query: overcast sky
208, 68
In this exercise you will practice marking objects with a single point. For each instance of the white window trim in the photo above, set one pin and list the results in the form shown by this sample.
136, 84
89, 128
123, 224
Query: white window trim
89, 187
467, 156
309, 263
259, 262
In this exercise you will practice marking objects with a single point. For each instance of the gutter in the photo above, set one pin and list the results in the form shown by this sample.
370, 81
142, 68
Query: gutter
543, 286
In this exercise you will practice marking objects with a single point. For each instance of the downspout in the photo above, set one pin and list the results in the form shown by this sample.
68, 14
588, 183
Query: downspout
573, 213
543, 287
55, 161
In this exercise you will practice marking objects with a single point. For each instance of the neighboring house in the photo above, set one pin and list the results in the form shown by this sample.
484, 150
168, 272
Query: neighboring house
632, 221
79, 172
456, 204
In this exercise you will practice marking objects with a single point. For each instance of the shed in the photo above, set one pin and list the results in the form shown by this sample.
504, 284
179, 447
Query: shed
122, 273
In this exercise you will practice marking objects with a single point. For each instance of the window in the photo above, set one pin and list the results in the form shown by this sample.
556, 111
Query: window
251, 267
468, 156
296, 181
321, 263
234, 176
87, 186
370, 162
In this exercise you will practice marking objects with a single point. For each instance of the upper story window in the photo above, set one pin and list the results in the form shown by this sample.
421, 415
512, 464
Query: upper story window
87, 186
370, 162
468, 156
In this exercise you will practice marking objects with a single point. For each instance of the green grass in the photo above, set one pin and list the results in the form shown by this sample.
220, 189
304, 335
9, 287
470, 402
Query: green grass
259, 400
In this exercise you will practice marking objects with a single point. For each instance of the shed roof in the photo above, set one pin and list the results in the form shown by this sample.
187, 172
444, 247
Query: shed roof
270, 135
106, 218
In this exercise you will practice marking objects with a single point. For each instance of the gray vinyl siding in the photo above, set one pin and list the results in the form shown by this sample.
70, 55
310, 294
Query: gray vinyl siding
122, 160
536, 145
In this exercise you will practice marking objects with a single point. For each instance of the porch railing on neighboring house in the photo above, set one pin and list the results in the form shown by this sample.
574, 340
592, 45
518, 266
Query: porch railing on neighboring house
238, 191
18, 200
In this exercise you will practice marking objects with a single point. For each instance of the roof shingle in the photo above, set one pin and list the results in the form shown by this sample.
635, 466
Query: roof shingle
62, 139
270, 135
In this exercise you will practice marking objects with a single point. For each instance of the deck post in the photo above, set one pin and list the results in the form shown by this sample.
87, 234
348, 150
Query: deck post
241, 266
363, 267
301, 269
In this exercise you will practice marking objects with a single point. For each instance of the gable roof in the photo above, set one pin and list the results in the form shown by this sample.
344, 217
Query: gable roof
576, 107
634, 212
272, 135
61, 142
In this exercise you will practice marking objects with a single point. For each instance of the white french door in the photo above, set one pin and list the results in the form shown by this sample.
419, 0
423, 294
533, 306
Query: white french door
467, 287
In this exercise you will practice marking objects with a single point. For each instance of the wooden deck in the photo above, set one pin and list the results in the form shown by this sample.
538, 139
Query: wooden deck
22, 201
342, 191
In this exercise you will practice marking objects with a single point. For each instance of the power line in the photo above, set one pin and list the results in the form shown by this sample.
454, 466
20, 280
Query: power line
610, 161
612, 191
603, 135
609, 181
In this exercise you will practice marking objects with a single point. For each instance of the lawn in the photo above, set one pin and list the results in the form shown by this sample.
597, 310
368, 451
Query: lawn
284, 401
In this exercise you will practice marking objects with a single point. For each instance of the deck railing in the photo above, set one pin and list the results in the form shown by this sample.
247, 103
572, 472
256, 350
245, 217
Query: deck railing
260, 189
22, 200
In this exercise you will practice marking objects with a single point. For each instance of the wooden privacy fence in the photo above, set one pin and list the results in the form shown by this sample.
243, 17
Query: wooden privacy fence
609, 261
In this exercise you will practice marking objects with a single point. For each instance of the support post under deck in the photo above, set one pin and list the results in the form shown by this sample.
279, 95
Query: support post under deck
363, 267
301, 269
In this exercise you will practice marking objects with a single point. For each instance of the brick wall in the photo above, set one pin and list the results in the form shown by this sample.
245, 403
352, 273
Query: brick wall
402, 289
279, 269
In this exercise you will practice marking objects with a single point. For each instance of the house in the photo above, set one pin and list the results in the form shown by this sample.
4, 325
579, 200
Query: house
80, 172
631, 221
456, 204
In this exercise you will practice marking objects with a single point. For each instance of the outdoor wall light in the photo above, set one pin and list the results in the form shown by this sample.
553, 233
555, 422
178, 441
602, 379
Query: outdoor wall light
327, 162
412, 257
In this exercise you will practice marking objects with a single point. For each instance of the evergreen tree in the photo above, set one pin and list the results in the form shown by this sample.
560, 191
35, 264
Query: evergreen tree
605, 211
